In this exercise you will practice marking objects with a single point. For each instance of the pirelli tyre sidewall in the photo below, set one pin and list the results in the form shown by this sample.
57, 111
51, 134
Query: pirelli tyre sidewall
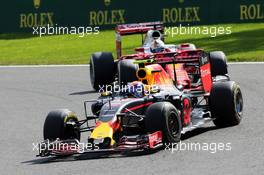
55, 125
226, 103
163, 116
126, 71
102, 69
218, 63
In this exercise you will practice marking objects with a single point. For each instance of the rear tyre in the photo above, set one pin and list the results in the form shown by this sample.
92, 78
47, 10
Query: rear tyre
218, 63
163, 116
226, 104
127, 71
61, 124
102, 69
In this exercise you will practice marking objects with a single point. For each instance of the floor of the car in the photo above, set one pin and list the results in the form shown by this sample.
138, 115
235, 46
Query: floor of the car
198, 118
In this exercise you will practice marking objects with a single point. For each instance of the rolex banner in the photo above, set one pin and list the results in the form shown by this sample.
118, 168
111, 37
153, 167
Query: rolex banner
22, 15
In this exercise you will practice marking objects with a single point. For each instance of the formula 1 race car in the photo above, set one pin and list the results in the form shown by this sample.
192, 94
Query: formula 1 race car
157, 96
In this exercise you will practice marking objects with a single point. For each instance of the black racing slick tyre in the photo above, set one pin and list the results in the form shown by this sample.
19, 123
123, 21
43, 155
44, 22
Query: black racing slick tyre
163, 116
102, 69
127, 71
61, 124
226, 104
218, 63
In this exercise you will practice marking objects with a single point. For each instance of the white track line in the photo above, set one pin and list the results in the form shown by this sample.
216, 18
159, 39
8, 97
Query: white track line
45, 66
87, 65
245, 63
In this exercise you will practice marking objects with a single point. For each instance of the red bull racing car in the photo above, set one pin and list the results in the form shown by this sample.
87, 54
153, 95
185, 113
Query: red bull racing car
156, 95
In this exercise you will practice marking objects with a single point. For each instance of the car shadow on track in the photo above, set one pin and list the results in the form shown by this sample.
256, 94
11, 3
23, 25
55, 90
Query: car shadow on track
93, 156
47, 160
84, 92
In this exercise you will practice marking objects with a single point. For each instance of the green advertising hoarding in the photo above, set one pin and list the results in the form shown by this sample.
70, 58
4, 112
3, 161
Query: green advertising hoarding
22, 15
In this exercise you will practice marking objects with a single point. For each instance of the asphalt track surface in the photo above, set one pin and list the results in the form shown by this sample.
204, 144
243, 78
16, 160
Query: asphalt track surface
27, 94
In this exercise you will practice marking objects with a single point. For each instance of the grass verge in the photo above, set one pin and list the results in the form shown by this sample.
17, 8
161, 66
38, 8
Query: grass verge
246, 43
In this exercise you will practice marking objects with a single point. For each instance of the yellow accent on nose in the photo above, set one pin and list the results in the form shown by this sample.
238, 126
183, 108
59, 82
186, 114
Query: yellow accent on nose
103, 131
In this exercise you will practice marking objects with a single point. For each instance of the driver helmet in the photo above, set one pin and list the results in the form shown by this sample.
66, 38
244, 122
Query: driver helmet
157, 45
136, 89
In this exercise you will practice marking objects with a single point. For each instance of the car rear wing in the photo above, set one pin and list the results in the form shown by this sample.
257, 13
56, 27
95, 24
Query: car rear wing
136, 28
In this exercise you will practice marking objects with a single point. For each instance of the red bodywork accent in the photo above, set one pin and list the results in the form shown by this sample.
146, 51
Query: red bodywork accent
115, 125
138, 28
139, 49
206, 77
181, 74
187, 108
154, 139
185, 45
98, 123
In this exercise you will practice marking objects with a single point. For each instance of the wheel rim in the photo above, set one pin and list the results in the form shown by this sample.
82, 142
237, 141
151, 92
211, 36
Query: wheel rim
173, 124
75, 134
239, 103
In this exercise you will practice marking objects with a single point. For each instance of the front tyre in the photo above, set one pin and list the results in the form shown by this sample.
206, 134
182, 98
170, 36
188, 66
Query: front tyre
61, 124
226, 103
163, 116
